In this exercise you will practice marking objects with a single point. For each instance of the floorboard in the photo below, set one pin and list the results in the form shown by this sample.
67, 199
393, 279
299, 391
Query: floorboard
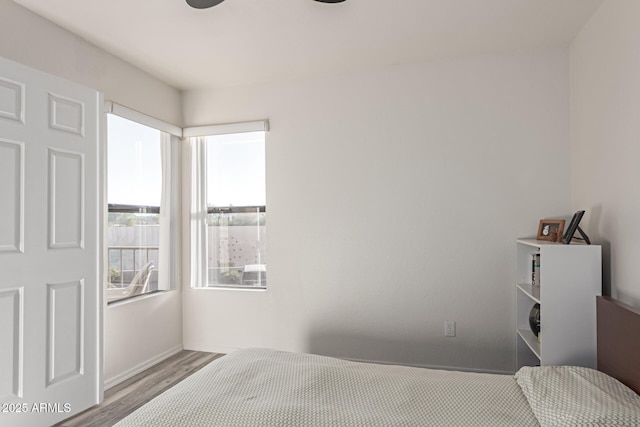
124, 398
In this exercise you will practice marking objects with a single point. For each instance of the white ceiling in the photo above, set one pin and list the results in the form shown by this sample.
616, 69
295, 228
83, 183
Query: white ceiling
242, 42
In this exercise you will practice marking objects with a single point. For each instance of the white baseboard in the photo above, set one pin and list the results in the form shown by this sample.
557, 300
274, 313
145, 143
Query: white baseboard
438, 367
227, 350
129, 373
209, 348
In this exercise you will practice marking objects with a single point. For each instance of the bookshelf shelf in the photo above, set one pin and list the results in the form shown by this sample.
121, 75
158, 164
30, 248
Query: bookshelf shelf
531, 341
532, 292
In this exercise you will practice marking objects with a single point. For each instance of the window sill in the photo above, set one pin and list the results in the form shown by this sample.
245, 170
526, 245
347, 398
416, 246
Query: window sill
130, 300
231, 288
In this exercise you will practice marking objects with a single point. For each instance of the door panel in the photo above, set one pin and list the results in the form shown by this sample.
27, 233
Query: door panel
66, 200
11, 338
65, 355
12, 189
66, 114
11, 100
50, 299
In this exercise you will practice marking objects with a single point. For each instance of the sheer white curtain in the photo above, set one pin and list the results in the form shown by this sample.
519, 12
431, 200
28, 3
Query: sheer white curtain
168, 271
198, 212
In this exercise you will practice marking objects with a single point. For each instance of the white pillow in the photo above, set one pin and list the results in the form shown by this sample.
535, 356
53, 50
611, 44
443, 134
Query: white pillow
575, 396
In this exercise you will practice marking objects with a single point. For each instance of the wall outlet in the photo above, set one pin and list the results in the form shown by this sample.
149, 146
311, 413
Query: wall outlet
449, 328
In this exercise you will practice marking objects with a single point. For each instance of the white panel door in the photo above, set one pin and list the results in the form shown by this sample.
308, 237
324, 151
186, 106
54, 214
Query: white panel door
50, 363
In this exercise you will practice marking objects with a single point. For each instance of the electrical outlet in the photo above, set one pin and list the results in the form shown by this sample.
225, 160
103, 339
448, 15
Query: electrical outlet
449, 328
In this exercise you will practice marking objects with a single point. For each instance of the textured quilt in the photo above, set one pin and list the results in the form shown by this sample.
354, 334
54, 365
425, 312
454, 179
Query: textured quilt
259, 387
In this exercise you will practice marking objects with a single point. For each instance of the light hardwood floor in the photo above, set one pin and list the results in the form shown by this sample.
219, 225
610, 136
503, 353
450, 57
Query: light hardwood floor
126, 397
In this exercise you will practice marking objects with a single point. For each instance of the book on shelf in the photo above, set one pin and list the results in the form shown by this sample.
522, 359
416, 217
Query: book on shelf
535, 269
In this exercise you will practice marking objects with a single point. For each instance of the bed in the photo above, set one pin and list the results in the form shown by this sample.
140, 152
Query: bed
264, 387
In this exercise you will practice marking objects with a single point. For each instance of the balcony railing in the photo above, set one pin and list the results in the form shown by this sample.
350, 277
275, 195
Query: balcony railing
129, 260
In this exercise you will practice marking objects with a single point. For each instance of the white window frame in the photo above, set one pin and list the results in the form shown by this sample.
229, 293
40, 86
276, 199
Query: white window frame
196, 209
170, 213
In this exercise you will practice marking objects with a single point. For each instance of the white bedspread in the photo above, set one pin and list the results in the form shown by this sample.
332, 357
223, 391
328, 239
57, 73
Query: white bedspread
258, 387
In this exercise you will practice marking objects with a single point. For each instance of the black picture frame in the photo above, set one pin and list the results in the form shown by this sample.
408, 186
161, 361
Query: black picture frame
574, 226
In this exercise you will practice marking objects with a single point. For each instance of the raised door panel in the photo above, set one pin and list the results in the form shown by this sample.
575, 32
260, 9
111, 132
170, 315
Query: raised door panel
12, 191
66, 114
11, 100
66, 199
65, 314
11, 336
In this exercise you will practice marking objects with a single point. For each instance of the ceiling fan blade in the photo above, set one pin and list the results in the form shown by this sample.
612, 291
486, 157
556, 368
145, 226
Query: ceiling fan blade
203, 4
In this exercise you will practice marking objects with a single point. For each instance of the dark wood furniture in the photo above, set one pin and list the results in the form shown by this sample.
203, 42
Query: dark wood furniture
619, 341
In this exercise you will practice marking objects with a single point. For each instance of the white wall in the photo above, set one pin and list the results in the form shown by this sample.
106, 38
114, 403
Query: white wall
139, 332
605, 141
31, 40
394, 197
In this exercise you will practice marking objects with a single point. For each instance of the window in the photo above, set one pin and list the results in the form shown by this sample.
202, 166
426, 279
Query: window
228, 192
138, 157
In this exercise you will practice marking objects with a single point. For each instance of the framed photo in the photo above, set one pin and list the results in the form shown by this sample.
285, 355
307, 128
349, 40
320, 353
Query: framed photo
574, 226
551, 230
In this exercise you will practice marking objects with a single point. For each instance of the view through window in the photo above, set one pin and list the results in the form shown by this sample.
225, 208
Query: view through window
134, 190
236, 210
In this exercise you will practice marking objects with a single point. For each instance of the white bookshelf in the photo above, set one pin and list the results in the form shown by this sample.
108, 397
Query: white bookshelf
570, 279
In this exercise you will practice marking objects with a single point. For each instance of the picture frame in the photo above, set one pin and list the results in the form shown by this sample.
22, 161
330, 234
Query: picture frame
574, 226
551, 230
